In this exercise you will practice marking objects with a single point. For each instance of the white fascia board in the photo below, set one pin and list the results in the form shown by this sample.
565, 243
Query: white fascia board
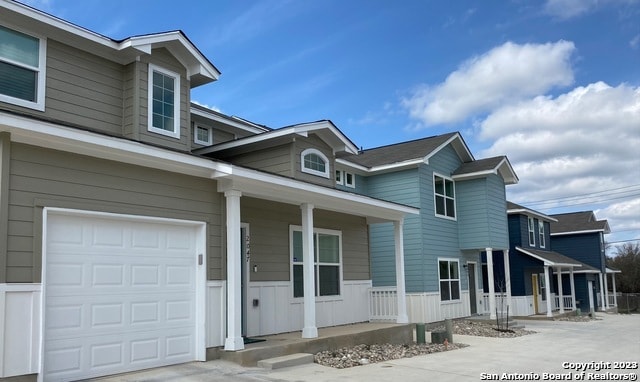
609, 270
312, 126
577, 232
526, 211
293, 191
448, 141
547, 262
228, 121
383, 168
57, 137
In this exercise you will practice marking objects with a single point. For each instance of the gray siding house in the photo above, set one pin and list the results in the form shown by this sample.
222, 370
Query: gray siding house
122, 247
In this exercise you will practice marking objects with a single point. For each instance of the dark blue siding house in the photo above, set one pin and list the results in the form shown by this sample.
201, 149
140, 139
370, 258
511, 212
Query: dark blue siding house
580, 236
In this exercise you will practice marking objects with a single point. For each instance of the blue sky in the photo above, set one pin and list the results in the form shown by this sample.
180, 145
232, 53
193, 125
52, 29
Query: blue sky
554, 85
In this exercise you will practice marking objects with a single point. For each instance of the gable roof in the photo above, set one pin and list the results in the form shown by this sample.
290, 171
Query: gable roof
513, 209
325, 129
405, 154
578, 222
482, 167
199, 69
550, 258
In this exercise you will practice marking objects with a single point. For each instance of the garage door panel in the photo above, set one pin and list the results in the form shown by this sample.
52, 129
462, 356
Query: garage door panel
119, 296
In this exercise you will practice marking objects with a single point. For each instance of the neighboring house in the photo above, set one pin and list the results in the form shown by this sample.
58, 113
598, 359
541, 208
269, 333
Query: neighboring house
580, 236
121, 249
462, 214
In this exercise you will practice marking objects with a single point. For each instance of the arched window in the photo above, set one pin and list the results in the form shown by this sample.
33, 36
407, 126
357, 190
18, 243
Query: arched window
314, 162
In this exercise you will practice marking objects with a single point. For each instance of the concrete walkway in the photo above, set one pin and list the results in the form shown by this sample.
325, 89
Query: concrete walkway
611, 338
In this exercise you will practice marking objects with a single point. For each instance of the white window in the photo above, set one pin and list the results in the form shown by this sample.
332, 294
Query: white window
164, 102
449, 280
315, 162
345, 178
541, 233
327, 248
22, 69
532, 233
202, 135
444, 194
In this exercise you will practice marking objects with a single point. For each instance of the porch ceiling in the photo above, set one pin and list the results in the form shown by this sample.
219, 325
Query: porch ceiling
285, 190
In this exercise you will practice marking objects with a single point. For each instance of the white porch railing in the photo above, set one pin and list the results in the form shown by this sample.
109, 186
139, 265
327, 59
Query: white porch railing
567, 300
383, 304
502, 307
612, 300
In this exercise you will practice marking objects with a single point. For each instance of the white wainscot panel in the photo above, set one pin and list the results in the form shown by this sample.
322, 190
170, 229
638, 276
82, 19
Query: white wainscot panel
426, 307
20, 329
276, 312
216, 313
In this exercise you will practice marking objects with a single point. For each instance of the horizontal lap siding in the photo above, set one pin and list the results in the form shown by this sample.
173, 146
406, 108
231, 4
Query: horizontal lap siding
40, 177
276, 160
83, 89
440, 235
269, 236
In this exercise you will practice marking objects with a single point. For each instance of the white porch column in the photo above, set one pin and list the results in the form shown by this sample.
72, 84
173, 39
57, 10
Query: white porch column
507, 279
234, 339
604, 305
573, 289
615, 295
547, 290
308, 271
560, 294
606, 290
402, 318
492, 288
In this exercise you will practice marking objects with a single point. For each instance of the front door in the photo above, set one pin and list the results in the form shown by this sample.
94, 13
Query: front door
471, 268
534, 287
245, 253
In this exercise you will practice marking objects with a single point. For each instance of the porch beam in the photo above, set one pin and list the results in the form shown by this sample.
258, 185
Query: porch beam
310, 329
492, 288
547, 290
234, 340
402, 318
560, 293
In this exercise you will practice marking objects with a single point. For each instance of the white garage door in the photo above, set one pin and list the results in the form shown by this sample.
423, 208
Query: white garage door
120, 295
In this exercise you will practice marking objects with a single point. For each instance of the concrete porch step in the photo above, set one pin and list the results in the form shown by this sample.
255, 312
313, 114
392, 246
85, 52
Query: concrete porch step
286, 361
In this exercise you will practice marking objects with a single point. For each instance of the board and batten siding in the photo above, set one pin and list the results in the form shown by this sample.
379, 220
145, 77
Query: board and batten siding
41, 177
482, 214
269, 237
400, 187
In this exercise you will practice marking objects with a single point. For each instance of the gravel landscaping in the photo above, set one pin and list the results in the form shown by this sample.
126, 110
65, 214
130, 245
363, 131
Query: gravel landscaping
483, 329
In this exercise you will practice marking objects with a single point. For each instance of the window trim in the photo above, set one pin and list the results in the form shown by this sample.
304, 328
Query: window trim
316, 231
449, 260
41, 73
342, 178
176, 102
541, 233
311, 171
435, 195
531, 231
197, 126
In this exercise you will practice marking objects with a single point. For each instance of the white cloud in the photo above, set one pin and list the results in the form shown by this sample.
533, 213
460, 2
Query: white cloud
506, 73
580, 142
566, 9
635, 42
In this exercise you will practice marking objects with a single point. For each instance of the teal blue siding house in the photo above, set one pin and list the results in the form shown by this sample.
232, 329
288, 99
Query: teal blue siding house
462, 215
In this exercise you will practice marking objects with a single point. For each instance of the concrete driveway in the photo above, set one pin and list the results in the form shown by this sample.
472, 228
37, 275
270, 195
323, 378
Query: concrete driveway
555, 351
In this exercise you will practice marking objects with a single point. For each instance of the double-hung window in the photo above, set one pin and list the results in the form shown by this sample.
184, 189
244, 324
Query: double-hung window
449, 280
164, 102
22, 69
345, 178
327, 254
445, 196
541, 233
532, 233
315, 162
